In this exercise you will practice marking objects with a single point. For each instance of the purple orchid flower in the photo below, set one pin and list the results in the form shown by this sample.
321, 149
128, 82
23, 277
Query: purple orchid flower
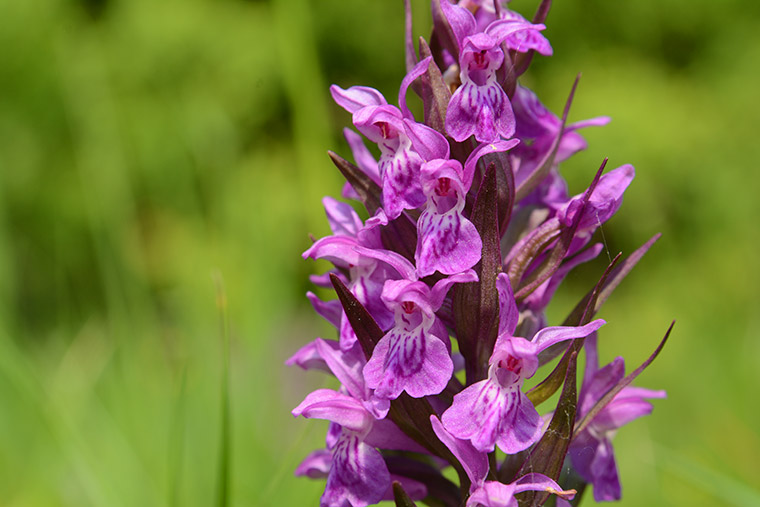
480, 106
603, 203
415, 355
495, 411
446, 240
356, 471
484, 12
591, 450
404, 144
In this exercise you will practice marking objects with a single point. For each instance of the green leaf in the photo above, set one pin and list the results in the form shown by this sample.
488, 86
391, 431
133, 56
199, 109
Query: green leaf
616, 276
223, 486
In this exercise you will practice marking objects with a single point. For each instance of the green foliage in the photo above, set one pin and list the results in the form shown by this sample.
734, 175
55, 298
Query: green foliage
145, 146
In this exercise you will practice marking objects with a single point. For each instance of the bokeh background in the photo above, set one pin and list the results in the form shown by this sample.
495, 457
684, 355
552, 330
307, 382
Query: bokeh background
157, 158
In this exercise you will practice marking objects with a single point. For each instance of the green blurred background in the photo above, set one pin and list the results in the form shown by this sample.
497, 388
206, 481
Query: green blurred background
148, 148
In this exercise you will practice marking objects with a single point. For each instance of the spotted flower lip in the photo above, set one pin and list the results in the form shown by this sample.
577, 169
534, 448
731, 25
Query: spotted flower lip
415, 355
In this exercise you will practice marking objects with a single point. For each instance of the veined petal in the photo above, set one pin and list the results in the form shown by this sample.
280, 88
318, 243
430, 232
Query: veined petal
391, 258
497, 146
362, 156
604, 201
482, 111
474, 415
447, 242
401, 182
329, 310
358, 475
308, 358
488, 415
493, 494
620, 412
337, 249
429, 143
342, 218
521, 426
461, 21
345, 365
412, 361
441, 287
503, 28
419, 69
603, 470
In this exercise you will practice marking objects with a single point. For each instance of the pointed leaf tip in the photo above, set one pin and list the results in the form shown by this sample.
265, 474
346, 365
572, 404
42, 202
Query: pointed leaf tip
367, 331
400, 496
607, 398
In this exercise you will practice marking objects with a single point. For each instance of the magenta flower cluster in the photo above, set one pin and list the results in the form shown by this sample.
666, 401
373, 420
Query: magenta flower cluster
442, 290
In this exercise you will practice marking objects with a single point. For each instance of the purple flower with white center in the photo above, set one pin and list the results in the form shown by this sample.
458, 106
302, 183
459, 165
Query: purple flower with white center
480, 107
591, 450
495, 411
415, 355
446, 240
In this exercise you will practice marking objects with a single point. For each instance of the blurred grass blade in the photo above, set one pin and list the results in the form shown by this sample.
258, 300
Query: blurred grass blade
177, 444
223, 485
